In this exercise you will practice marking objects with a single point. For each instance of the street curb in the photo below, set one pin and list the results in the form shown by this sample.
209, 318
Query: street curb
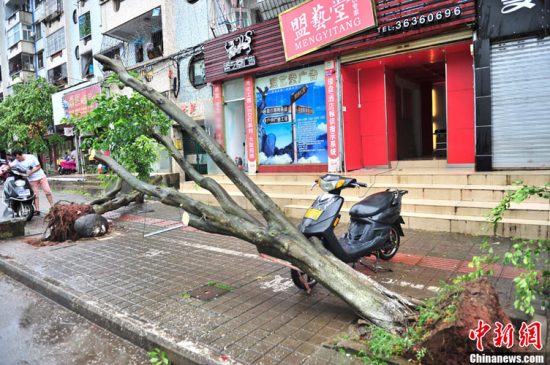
140, 334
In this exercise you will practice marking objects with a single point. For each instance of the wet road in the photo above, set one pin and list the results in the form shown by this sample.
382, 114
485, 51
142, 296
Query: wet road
35, 330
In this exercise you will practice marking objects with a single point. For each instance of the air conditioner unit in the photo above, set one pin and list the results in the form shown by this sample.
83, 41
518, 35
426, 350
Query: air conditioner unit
32, 34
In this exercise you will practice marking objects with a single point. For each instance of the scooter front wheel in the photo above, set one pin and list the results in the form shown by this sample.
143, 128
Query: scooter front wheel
302, 280
392, 246
25, 210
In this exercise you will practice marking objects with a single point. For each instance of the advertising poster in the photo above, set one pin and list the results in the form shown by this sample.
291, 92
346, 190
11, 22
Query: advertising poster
291, 114
75, 103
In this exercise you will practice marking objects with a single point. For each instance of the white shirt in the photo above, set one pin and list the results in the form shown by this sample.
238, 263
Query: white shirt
28, 163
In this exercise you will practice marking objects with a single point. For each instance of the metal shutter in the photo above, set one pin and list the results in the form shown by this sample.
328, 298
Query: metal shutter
520, 83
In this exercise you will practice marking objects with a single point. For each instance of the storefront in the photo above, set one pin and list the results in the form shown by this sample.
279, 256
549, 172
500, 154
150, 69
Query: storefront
396, 84
512, 94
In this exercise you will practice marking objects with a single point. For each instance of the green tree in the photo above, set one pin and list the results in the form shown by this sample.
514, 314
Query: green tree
26, 115
122, 124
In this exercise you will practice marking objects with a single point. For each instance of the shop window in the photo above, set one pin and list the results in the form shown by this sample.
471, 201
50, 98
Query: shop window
84, 26
197, 72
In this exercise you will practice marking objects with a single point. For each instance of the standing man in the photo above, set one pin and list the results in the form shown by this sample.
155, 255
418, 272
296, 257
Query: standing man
36, 175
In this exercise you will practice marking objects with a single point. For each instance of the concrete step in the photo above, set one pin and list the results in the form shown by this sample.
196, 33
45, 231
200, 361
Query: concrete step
419, 177
483, 193
508, 227
527, 210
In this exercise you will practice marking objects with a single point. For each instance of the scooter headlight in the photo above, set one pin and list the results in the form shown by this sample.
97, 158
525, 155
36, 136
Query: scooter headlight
19, 183
327, 185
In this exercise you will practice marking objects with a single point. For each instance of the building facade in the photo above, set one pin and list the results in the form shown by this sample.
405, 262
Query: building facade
339, 86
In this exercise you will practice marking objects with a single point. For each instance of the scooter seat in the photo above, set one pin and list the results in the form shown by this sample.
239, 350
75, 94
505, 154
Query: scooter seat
372, 205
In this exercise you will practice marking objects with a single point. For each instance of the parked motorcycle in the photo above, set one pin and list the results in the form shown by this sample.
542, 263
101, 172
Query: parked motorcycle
375, 225
17, 192
66, 167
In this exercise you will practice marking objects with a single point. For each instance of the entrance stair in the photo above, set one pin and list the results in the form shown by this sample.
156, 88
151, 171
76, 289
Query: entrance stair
443, 199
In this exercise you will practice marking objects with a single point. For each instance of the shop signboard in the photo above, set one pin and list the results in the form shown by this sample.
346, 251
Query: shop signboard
238, 51
250, 123
75, 103
291, 114
332, 117
318, 23
504, 18
218, 113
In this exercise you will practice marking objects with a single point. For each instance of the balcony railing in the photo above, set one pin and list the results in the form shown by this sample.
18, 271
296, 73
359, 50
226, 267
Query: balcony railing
229, 16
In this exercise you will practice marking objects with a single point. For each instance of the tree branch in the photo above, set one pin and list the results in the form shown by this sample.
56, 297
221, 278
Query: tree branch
226, 201
233, 225
109, 195
260, 200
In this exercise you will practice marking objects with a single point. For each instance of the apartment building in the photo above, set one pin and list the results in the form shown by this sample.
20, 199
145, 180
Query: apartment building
53, 39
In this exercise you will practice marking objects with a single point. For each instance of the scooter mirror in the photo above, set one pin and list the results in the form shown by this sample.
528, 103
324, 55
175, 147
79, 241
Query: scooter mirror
314, 184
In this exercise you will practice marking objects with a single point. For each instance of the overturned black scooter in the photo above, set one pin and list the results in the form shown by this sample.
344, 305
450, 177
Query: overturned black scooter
375, 225
17, 192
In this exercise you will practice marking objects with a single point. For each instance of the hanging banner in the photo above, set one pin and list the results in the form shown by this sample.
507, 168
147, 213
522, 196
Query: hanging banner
318, 23
332, 119
218, 113
75, 103
291, 113
250, 123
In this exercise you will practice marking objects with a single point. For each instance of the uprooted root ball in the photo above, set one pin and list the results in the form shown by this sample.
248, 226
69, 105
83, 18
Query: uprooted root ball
60, 221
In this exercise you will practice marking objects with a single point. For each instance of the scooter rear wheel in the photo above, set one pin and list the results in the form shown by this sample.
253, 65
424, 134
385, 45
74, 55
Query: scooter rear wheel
391, 248
297, 278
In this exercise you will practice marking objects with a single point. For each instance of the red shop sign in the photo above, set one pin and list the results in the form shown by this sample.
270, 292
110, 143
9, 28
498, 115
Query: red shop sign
250, 123
75, 103
318, 23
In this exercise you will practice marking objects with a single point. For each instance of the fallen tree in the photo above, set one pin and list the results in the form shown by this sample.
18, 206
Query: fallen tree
275, 235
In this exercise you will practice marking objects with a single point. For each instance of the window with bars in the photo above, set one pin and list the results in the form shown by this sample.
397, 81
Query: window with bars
56, 42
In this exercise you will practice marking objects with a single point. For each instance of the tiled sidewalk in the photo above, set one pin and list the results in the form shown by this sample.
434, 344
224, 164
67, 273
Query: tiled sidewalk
264, 319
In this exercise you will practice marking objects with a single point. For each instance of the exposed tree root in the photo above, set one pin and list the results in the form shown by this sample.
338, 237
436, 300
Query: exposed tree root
60, 221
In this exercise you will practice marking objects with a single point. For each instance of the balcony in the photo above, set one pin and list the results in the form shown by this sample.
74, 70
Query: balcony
19, 16
20, 47
21, 76
21, 62
137, 41
225, 16
49, 10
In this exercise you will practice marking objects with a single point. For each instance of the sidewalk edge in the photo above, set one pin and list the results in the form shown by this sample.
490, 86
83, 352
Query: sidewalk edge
138, 333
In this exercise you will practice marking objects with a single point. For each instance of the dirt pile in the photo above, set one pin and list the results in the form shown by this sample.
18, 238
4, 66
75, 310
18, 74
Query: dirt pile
449, 342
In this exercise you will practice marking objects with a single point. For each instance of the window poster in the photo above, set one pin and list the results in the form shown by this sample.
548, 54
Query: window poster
291, 114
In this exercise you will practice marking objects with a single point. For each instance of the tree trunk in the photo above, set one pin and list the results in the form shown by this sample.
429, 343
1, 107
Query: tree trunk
279, 237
